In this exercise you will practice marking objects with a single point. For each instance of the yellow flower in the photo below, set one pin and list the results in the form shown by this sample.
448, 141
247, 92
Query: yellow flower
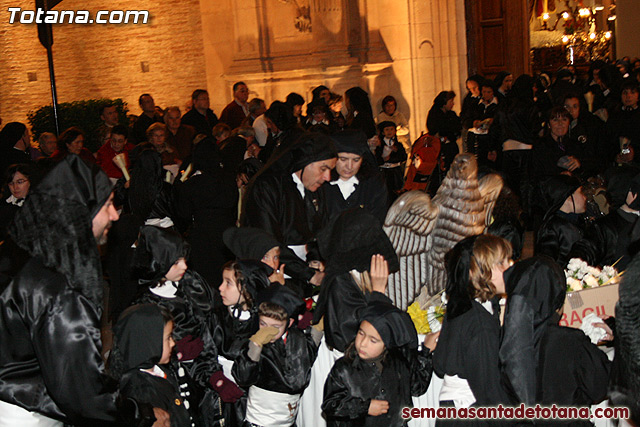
419, 318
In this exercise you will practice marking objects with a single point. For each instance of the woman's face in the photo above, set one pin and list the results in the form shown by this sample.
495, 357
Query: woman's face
229, 289
348, 165
325, 94
272, 258
389, 108
177, 270
449, 105
497, 277
559, 126
157, 139
76, 145
19, 186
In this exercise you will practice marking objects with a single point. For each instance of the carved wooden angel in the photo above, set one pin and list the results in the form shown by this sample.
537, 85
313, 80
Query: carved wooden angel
422, 230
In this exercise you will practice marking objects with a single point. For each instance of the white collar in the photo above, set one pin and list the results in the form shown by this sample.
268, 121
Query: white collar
389, 141
493, 101
243, 315
15, 201
324, 122
346, 187
166, 290
299, 184
155, 371
486, 305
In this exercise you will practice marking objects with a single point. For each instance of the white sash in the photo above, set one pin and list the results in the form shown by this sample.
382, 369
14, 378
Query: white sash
270, 408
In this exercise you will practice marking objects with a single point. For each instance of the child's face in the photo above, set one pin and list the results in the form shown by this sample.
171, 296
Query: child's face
368, 342
167, 343
316, 265
229, 289
272, 258
280, 325
389, 132
177, 270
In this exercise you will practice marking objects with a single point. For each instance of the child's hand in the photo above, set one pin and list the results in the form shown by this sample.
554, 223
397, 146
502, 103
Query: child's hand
378, 407
278, 275
379, 272
228, 391
264, 336
431, 341
162, 418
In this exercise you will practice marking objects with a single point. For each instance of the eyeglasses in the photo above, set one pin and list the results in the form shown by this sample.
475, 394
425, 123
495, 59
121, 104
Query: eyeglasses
18, 182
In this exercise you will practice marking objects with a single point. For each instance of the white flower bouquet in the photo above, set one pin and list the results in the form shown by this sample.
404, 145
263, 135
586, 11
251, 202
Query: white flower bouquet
581, 275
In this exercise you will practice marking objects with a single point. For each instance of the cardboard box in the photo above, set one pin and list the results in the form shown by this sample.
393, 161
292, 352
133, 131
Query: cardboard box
601, 301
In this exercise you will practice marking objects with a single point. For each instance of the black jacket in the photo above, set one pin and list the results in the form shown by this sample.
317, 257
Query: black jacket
202, 124
353, 383
283, 367
370, 194
274, 204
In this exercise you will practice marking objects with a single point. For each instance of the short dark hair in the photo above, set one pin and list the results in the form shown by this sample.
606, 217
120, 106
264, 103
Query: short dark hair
103, 106
68, 136
141, 96
294, 99
120, 130
387, 99
255, 104
23, 168
629, 85
196, 93
237, 84
559, 112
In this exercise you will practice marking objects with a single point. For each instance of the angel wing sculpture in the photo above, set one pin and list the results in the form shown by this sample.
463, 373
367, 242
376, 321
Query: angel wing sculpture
423, 230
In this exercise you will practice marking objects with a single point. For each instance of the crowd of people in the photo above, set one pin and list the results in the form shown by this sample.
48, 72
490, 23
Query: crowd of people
246, 264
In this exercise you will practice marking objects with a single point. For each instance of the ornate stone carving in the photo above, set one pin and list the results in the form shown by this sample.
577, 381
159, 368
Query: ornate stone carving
302, 21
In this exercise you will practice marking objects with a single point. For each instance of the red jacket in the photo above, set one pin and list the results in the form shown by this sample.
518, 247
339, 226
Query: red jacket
104, 159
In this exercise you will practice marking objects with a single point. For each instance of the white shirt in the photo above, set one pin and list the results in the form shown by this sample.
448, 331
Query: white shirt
299, 184
346, 187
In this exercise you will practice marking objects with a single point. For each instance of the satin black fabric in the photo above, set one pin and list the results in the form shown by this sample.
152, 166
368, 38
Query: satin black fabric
50, 359
394, 325
341, 303
556, 236
192, 309
536, 288
249, 242
353, 383
159, 392
156, 252
283, 367
139, 336
468, 346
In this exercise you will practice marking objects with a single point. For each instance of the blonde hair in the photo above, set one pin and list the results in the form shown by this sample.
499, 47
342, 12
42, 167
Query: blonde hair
488, 250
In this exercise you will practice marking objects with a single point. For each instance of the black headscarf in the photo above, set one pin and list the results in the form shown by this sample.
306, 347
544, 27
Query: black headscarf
55, 223
350, 240
156, 251
281, 114
394, 325
138, 339
147, 180
355, 142
249, 242
310, 148
536, 288
458, 264
206, 157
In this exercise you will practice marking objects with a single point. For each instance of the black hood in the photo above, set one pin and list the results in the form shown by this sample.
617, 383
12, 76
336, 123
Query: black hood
394, 325
310, 148
249, 242
458, 264
156, 251
556, 190
286, 298
55, 223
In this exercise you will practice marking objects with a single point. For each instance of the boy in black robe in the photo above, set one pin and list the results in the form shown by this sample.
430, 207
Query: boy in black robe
275, 364
391, 157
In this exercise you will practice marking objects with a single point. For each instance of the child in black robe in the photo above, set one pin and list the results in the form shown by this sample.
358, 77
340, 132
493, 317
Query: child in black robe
237, 319
140, 360
379, 372
391, 157
160, 265
275, 364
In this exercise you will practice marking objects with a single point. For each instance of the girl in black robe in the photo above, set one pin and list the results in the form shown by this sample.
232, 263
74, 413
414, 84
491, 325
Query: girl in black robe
542, 362
391, 157
140, 360
467, 354
444, 123
360, 115
160, 265
237, 319
380, 371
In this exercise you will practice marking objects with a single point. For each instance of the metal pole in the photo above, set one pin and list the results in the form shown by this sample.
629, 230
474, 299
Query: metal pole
54, 94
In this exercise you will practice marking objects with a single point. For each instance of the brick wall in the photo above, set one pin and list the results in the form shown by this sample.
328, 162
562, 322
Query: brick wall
95, 61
